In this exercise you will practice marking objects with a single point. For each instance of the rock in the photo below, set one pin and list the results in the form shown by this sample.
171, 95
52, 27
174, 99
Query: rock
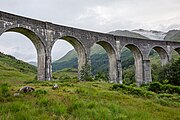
55, 86
16, 94
26, 89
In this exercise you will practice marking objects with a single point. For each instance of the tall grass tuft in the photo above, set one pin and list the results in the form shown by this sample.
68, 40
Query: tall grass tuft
4, 90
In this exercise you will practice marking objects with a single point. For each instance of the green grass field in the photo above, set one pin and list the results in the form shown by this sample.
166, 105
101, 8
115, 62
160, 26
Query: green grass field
76, 100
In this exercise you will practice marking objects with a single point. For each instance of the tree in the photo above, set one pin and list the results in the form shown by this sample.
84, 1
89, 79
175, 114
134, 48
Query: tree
171, 72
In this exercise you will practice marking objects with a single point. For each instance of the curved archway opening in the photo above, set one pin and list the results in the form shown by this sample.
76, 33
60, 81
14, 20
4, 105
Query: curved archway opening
68, 56
158, 57
18, 57
162, 54
40, 47
177, 50
99, 63
175, 55
155, 63
131, 59
103, 61
18, 45
128, 66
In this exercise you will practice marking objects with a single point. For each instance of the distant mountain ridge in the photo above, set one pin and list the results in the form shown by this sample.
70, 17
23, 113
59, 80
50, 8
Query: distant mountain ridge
128, 34
98, 54
172, 35
151, 34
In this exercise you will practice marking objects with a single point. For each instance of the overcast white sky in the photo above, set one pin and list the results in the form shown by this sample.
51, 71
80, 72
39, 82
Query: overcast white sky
97, 15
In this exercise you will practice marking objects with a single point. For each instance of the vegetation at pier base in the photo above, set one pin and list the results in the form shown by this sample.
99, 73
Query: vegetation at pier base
170, 73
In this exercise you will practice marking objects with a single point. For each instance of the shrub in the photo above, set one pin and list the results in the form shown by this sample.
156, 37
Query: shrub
171, 89
4, 90
35, 78
129, 75
155, 87
40, 92
102, 76
118, 86
133, 90
170, 97
165, 95
54, 77
64, 77
149, 94
133, 85
2, 99
30, 81
160, 88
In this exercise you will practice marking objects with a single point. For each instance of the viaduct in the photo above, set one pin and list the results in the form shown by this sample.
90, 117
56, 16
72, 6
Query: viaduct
44, 34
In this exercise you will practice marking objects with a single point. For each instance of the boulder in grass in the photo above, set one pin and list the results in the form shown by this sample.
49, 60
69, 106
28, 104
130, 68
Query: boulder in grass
26, 89
16, 94
55, 86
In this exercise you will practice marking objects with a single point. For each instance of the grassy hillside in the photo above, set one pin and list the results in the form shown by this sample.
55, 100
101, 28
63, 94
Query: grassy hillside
98, 58
66, 73
173, 35
70, 59
12, 69
96, 49
69, 56
86, 101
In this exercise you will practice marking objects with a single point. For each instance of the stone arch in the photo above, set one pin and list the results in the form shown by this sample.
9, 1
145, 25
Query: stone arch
162, 53
138, 58
111, 52
39, 45
79, 48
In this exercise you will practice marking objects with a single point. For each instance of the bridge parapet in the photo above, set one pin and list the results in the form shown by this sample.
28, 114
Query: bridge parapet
8, 17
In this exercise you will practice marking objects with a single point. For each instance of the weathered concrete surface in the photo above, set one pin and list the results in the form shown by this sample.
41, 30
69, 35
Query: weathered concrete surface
45, 34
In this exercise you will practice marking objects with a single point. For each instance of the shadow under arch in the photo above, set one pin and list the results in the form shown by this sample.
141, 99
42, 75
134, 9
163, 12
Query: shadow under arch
177, 50
79, 48
111, 52
175, 54
162, 53
137, 54
39, 45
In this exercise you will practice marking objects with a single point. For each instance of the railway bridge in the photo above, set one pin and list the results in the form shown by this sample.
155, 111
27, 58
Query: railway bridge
44, 34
